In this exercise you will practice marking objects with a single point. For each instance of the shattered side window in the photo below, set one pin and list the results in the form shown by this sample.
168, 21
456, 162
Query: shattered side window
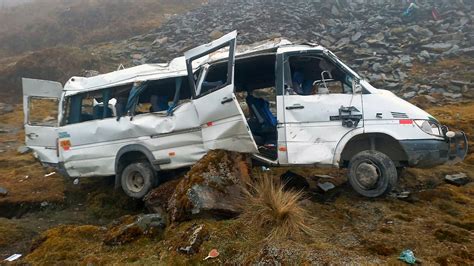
217, 77
43, 112
90, 106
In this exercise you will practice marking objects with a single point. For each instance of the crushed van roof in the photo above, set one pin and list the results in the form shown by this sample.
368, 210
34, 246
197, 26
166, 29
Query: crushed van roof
175, 68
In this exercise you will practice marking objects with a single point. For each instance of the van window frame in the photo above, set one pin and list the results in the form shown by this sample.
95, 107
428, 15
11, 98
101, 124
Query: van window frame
205, 71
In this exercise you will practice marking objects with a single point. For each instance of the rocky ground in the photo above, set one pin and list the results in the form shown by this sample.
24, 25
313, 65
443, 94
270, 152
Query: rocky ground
51, 220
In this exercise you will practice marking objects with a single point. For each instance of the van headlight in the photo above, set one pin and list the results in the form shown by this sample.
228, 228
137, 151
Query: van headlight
429, 127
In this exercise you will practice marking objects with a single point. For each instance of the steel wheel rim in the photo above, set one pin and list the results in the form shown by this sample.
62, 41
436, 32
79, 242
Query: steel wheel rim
135, 182
367, 175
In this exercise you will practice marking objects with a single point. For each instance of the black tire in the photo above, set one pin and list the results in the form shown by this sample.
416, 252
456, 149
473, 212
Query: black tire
372, 173
138, 179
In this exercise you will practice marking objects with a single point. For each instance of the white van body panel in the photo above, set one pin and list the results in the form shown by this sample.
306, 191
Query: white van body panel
95, 144
311, 134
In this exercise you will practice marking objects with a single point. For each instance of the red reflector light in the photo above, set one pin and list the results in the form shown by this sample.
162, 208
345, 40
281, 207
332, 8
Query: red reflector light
282, 148
209, 124
406, 122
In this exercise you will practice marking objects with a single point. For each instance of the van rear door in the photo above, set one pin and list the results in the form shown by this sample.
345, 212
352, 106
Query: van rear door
41, 113
222, 121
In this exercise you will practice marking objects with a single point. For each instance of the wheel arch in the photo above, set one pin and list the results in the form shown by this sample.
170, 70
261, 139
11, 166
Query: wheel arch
378, 141
131, 153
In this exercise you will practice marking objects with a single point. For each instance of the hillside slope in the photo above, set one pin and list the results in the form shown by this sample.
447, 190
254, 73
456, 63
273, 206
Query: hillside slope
48, 23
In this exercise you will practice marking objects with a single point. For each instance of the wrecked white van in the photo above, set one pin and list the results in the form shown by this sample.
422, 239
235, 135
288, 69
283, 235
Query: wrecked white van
284, 103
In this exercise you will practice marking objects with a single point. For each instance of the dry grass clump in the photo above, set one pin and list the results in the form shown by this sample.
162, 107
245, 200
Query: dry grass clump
269, 207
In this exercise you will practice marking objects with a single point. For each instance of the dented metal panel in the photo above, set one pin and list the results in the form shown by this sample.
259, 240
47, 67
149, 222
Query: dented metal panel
90, 148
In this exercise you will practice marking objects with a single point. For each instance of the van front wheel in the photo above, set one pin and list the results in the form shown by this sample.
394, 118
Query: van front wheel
372, 173
137, 179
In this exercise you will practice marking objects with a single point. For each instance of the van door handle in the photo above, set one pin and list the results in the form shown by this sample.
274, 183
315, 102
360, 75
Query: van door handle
32, 135
226, 100
295, 106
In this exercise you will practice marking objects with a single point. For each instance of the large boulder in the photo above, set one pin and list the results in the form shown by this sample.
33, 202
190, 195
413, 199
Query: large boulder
213, 187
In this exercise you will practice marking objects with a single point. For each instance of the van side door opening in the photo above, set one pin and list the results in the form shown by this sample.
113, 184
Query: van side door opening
256, 93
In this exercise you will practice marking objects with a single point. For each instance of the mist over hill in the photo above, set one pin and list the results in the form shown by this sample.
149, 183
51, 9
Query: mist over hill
11, 3
46, 23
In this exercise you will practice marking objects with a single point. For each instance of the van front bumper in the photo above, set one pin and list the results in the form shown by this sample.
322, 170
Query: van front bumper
429, 153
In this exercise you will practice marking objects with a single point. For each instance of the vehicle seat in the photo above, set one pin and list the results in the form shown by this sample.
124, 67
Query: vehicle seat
159, 103
98, 112
262, 122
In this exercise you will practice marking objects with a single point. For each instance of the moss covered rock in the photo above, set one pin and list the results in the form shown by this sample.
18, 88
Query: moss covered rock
213, 187
130, 228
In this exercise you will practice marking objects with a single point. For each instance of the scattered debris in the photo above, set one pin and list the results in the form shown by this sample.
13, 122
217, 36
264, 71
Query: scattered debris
13, 257
400, 195
3, 191
44, 204
195, 236
294, 181
76, 181
457, 179
50, 174
407, 256
212, 254
326, 186
23, 150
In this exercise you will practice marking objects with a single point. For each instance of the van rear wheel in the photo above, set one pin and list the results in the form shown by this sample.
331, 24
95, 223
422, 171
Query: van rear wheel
372, 173
137, 179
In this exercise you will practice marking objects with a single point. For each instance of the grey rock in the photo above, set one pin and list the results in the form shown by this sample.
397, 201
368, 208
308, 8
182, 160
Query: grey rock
453, 51
215, 34
409, 95
137, 56
356, 36
335, 11
431, 99
425, 54
160, 41
452, 95
342, 42
376, 67
3, 192
438, 47
23, 150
